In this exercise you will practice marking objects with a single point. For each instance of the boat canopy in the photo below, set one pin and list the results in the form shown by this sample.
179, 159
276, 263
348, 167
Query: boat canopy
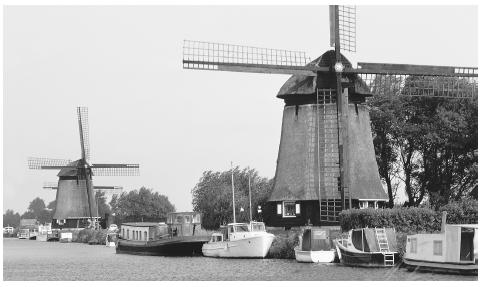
238, 227
365, 239
316, 240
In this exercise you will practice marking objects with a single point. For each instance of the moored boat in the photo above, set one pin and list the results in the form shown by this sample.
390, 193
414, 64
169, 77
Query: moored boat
239, 240
368, 247
453, 250
315, 246
23, 233
176, 238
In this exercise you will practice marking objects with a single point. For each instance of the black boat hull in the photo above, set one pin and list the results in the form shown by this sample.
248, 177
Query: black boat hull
185, 246
365, 259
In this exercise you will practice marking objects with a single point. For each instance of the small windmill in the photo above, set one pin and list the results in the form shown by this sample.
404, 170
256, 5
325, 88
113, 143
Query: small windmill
110, 189
75, 200
326, 155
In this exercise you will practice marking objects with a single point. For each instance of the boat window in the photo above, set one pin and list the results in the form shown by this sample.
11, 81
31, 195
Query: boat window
231, 229
289, 209
127, 233
187, 219
257, 227
196, 218
413, 245
145, 235
123, 232
241, 228
179, 219
133, 235
437, 247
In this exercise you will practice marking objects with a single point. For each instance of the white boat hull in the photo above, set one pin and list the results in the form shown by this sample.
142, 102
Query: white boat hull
321, 256
251, 247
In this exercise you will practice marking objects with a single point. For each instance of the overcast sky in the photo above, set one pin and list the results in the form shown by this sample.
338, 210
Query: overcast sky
124, 64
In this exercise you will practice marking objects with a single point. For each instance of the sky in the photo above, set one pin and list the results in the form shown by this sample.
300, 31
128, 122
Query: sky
125, 64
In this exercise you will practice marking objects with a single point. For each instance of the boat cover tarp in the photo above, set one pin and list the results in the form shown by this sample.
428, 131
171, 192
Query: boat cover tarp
372, 243
315, 240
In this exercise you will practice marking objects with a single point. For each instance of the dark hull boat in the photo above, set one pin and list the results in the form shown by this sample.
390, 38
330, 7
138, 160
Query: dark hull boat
178, 246
368, 247
176, 238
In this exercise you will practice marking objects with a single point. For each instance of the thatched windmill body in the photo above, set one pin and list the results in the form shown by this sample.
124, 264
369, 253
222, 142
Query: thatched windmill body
326, 160
75, 199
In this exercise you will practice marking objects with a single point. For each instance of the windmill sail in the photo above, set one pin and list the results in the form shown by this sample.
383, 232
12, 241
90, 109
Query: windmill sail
346, 26
235, 58
48, 163
82, 116
115, 169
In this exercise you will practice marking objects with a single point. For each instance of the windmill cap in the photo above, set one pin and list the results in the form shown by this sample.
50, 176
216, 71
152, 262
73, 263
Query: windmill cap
301, 85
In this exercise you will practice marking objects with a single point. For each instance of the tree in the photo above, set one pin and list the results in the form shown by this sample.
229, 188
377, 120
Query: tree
36, 206
141, 205
212, 196
11, 219
430, 144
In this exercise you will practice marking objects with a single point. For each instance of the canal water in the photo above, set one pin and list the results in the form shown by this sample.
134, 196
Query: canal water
34, 260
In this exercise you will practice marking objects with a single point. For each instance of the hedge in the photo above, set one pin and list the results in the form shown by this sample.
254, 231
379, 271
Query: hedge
410, 219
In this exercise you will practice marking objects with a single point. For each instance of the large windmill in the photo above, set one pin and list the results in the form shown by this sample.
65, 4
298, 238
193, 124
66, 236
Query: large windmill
326, 160
75, 199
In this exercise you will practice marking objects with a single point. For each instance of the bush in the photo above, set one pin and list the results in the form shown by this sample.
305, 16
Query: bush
404, 220
90, 235
410, 219
283, 246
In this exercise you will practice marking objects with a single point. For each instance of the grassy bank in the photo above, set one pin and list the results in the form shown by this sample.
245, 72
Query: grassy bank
89, 236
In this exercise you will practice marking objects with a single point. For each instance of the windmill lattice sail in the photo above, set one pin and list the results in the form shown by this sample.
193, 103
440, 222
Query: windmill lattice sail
82, 116
47, 163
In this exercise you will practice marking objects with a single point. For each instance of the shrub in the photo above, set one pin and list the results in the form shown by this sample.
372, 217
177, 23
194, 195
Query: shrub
283, 246
88, 234
402, 219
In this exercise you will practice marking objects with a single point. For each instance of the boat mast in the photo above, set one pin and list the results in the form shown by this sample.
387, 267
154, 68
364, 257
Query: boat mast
249, 189
232, 187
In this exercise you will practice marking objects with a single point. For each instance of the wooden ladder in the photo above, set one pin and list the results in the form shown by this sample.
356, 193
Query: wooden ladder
382, 240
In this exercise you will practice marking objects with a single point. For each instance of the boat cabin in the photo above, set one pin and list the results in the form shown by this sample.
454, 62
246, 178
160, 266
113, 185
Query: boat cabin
143, 231
457, 243
183, 223
234, 231
316, 239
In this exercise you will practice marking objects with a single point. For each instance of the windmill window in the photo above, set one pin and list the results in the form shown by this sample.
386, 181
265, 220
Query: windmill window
289, 209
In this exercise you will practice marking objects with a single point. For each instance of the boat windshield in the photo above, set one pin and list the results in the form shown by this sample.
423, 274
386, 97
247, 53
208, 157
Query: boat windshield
239, 228
257, 226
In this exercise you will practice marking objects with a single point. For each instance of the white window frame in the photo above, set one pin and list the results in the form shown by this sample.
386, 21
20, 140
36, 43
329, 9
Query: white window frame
288, 216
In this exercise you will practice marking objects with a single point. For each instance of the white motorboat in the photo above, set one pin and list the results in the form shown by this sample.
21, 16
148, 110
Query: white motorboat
239, 240
315, 246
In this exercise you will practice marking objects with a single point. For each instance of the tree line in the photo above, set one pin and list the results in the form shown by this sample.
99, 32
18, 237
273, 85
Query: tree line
136, 205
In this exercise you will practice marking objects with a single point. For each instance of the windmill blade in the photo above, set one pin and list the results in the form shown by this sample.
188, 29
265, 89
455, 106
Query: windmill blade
103, 187
82, 116
115, 169
234, 58
48, 163
416, 85
414, 70
50, 185
343, 23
